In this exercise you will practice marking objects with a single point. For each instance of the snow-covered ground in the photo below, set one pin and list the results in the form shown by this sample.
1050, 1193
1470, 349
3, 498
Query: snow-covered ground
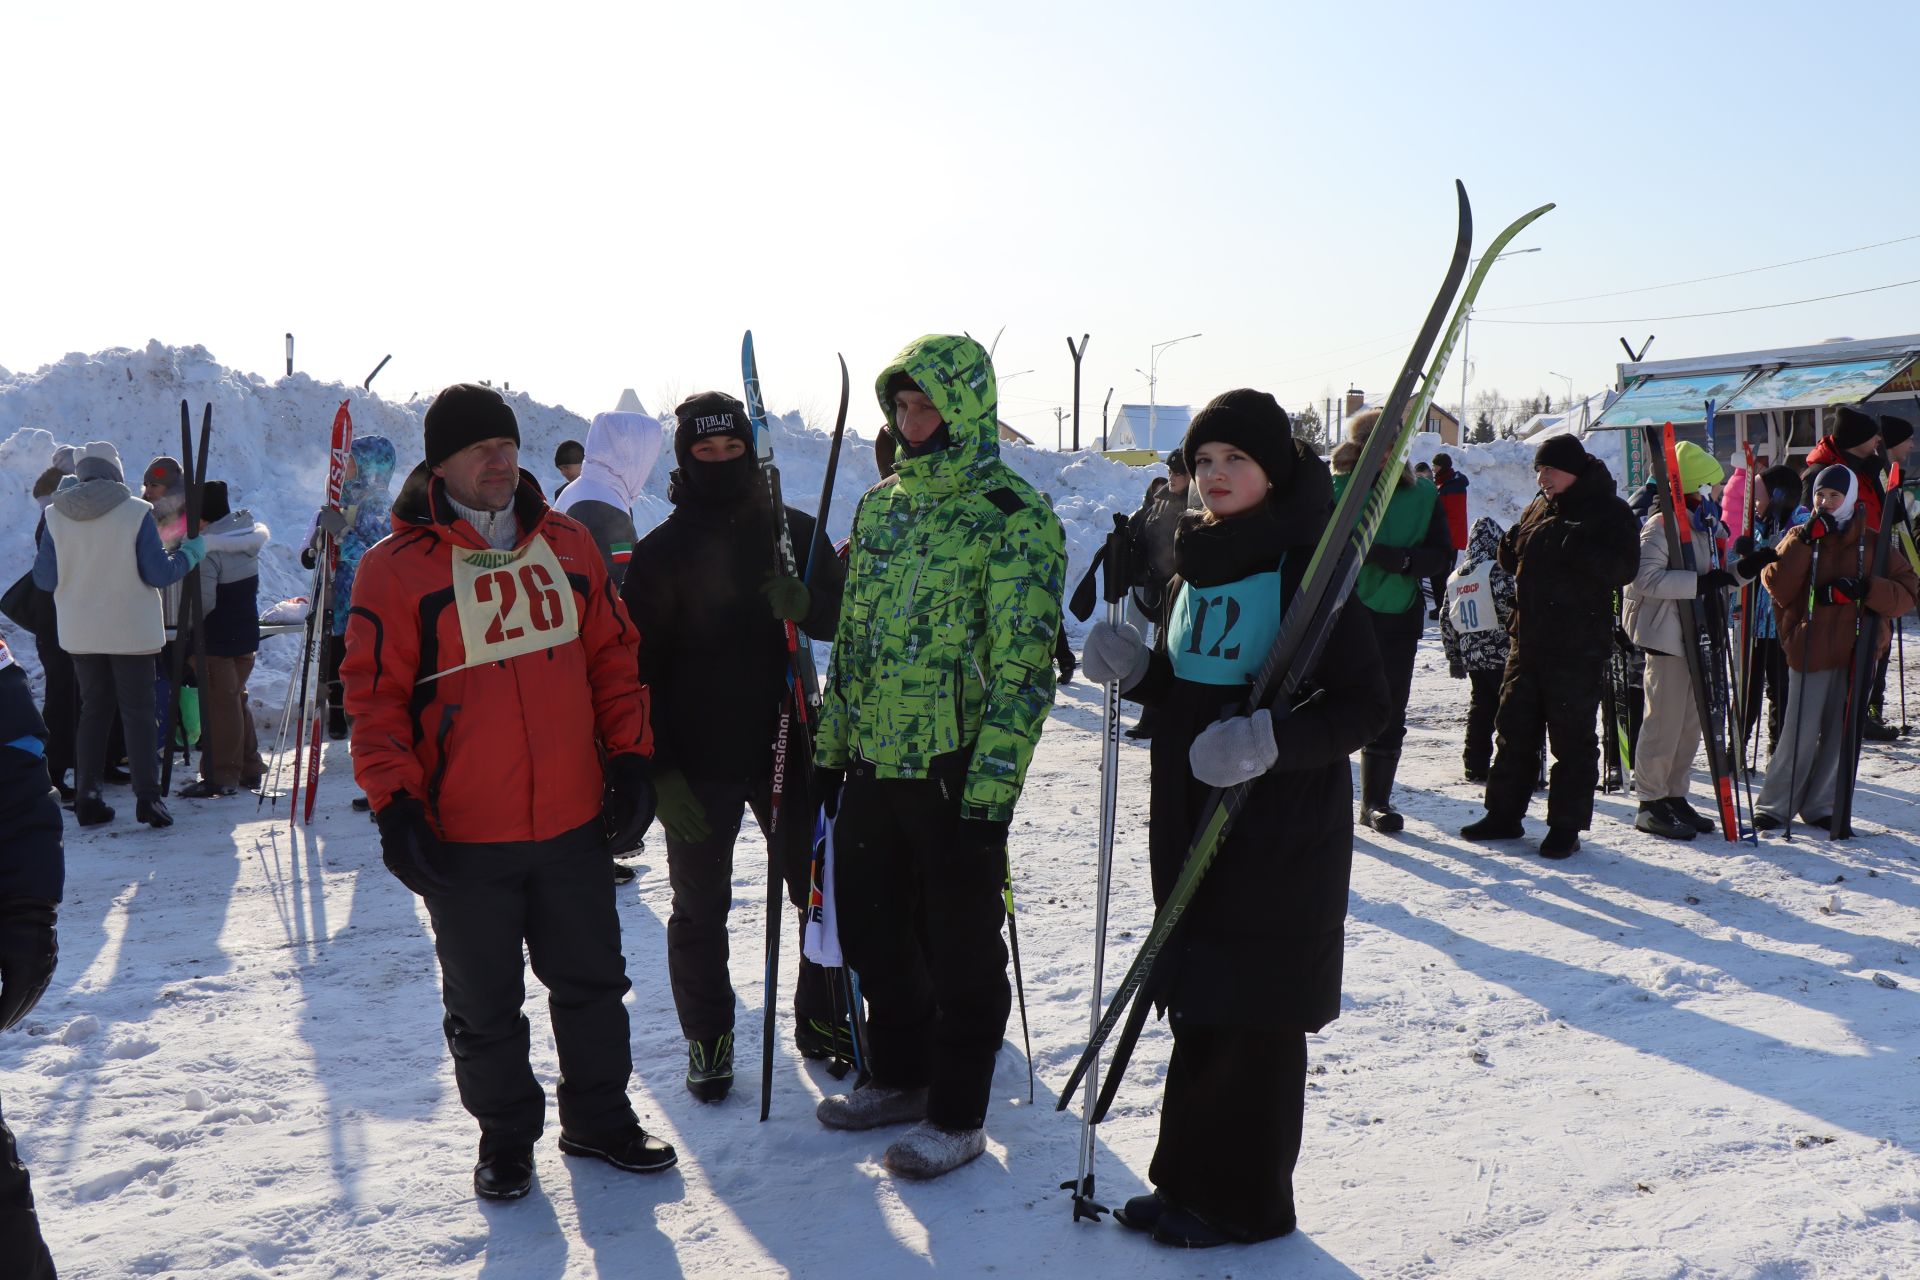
1652, 1060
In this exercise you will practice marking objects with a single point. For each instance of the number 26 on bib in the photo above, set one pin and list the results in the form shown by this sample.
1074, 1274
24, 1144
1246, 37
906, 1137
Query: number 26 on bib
512, 602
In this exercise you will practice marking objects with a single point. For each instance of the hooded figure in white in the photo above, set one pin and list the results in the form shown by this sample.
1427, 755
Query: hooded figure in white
621, 448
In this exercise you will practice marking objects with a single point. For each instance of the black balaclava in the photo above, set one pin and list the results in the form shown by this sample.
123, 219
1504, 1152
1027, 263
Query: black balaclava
702, 417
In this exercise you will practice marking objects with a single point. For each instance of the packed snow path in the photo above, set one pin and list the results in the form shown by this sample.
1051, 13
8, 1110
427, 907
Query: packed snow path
1655, 1059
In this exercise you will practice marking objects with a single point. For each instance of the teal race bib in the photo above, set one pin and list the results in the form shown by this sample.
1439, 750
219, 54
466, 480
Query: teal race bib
1220, 635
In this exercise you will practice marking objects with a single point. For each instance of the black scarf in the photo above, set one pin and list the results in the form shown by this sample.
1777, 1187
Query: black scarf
1207, 553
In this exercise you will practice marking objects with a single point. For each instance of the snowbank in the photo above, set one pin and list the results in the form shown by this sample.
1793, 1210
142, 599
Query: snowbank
1500, 475
270, 445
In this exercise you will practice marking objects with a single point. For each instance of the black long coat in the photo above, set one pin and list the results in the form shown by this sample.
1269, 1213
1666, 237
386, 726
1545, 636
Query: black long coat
1261, 943
1568, 555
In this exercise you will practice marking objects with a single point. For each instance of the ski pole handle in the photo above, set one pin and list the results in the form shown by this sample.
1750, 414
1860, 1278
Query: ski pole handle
1117, 562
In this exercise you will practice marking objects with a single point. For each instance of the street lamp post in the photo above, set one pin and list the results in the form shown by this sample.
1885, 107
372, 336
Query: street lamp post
1569, 381
1153, 382
1466, 323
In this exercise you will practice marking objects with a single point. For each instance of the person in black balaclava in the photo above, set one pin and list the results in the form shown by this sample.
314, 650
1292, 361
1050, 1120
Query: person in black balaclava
712, 608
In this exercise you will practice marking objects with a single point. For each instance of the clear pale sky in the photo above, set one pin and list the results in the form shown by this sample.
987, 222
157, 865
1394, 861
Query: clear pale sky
575, 198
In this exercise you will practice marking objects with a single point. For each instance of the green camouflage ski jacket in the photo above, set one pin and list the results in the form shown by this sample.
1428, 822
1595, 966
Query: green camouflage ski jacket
945, 641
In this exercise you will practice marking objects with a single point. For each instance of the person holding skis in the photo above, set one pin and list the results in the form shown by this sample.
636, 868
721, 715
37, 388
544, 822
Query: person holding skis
230, 605
1473, 633
103, 562
1255, 966
1669, 736
363, 518
705, 590
1573, 546
32, 880
941, 678
1411, 546
1822, 588
500, 728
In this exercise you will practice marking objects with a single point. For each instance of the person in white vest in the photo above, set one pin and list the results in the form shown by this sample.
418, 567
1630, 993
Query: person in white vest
103, 560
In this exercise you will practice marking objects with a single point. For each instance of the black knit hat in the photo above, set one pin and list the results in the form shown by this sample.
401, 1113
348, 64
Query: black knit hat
1176, 463
465, 414
1251, 421
1852, 427
570, 453
1782, 484
1895, 430
213, 502
1562, 453
702, 417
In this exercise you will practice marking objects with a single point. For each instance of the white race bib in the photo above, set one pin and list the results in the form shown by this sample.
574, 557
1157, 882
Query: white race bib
1470, 599
512, 602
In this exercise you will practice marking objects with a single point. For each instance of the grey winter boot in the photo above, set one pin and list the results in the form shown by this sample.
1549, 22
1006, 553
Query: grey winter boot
871, 1106
1656, 819
1376, 792
928, 1150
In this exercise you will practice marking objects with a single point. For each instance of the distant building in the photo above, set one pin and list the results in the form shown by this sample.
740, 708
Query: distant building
1129, 426
1439, 421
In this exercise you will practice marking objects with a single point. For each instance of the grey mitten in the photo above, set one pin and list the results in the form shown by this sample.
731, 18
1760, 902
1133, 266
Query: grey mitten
1114, 653
1235, 750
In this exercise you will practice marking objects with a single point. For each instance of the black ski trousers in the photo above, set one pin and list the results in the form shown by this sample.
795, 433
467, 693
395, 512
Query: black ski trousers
61, 709
1398, 637
22, 1249
1553, 699
1766, 680
1478, 756
920, 909
556, 898
701, 874
1230, 1126
110, 682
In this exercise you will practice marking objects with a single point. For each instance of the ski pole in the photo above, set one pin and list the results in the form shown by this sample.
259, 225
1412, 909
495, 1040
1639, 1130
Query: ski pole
1115, 579
1019, 983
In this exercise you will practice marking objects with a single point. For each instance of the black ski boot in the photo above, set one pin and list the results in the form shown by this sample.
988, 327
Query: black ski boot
152, 810
1656, 819
91, 811
1684, 812
1561, 842
1878, 730
710, 1067
1492, 827
1376, 792
504, 1171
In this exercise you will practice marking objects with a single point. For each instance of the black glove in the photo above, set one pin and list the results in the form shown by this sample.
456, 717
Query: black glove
1843, 591
627, 809
1743, 546
409, 847
1752, 562
1714, 580
983, 834
28, 948
1392, 559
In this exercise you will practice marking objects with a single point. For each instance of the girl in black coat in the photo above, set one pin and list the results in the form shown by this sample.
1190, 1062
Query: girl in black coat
1255, 964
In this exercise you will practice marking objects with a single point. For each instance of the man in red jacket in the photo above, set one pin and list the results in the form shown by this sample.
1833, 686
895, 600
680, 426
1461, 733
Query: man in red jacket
1854, 444
490, 668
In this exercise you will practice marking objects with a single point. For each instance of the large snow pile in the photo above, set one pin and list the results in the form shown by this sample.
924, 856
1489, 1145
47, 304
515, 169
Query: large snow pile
270, 445
1500, 474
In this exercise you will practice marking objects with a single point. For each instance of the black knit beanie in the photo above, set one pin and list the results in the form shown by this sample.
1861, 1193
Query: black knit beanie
465, 414
1783, 486
1895, 430
705, 416
1562, 453
1852, 427
1251, 421
1176, 463
214, 504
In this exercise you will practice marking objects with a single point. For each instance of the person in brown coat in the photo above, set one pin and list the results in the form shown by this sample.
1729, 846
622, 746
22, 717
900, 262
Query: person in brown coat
1818, 621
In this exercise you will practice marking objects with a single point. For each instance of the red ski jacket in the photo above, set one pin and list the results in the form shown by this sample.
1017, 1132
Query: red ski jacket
1825, 453
486, 683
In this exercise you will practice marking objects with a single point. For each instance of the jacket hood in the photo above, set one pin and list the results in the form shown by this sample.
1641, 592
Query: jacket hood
373, 459
621, 451
957, 376
89, 499
1484, 542
236, 531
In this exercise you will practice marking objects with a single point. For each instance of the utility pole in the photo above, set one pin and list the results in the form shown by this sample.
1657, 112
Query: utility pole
289, 355
1152, 371
1103, 419
1077, 353
1059, 416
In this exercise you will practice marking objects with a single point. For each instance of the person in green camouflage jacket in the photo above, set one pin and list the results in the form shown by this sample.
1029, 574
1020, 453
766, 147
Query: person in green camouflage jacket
941, 679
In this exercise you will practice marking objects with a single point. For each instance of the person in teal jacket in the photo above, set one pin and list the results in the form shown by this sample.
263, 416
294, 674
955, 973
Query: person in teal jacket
941, 679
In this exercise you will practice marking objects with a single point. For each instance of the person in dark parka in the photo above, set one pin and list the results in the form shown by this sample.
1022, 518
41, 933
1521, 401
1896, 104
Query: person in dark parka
1571, 549
1414, 543
32, 878
1255, 965
711, 610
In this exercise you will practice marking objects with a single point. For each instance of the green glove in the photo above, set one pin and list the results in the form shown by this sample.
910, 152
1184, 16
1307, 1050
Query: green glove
680, 811
788, 597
